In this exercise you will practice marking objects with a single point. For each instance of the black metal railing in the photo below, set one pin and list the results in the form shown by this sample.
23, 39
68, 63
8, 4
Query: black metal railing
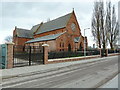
113, 51
27, 55
63, 54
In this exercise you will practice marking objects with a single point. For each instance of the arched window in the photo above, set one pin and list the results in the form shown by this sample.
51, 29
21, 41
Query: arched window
69, 47
63, 45
73, 26
60, 44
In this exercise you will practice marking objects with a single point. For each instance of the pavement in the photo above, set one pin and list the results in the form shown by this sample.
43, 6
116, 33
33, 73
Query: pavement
113, 83
29, 70
18, 71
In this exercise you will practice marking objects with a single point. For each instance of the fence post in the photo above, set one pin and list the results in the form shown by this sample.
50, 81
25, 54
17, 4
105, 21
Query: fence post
100, 52
29, 55
9, 55
106, 52
45, 53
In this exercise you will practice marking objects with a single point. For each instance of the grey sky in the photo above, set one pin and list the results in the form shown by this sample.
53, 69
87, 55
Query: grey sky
27, 14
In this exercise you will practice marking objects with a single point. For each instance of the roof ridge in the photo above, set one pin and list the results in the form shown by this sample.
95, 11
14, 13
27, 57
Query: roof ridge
58, 18
54, 24
23, 29
39, 25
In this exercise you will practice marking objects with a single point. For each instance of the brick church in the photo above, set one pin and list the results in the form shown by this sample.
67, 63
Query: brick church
62, 34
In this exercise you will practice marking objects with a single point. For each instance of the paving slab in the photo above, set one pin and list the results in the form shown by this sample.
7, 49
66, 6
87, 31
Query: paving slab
113, 83
6, 73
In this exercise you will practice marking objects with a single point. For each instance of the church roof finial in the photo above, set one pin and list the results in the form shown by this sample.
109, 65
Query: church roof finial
73, 9
15, 27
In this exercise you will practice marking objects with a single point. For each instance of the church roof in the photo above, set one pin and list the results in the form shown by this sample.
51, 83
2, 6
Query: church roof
44, 27
54, 24
45, 38
76, 39
24, 33
35, 27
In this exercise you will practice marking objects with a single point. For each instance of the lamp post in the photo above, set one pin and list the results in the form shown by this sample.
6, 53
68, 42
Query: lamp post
85, 42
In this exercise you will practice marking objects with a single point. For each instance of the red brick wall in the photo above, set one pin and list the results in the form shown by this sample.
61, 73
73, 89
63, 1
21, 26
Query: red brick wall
9, 55
19, 40
63, 41
73, 20
50, 32
22, 41
72, 59
81, 42
52, 44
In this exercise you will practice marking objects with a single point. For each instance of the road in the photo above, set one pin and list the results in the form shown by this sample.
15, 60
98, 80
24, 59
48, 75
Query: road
87, 75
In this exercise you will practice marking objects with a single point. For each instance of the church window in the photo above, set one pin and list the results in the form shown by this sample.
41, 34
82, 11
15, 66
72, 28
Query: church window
63, 45
73, 26
60, 45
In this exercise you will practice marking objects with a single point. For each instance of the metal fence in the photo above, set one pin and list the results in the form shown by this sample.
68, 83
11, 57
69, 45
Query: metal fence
113, 51
63, 54
27, 55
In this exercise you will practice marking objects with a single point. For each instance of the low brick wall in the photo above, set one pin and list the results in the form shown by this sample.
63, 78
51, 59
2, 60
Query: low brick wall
71, 59
114, 54
76, 58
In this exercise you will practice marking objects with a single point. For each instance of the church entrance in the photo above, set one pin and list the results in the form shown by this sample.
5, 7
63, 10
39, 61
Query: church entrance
81, 47
69, 47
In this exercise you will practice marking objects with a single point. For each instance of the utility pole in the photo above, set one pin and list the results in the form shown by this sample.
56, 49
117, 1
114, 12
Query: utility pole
85, 42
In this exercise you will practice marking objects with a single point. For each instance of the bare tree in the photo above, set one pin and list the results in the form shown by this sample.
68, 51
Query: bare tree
9, 39
112, 25
96, 24
104, 26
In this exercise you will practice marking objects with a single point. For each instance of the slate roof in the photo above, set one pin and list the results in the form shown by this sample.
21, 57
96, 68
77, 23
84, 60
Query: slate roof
44, 27
45, 38
54, 24
35, 27
76, 39
24, 33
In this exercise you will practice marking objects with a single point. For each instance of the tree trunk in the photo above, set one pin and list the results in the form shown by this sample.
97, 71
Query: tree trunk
99, 44
104, 46
111, 45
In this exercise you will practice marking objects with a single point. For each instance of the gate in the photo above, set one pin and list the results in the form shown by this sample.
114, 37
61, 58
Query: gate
27, 55
3, 56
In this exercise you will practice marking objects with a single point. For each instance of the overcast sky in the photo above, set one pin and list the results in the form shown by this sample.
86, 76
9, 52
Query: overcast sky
26, 14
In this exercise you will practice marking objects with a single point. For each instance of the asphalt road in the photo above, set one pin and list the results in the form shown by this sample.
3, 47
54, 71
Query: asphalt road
89, 75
